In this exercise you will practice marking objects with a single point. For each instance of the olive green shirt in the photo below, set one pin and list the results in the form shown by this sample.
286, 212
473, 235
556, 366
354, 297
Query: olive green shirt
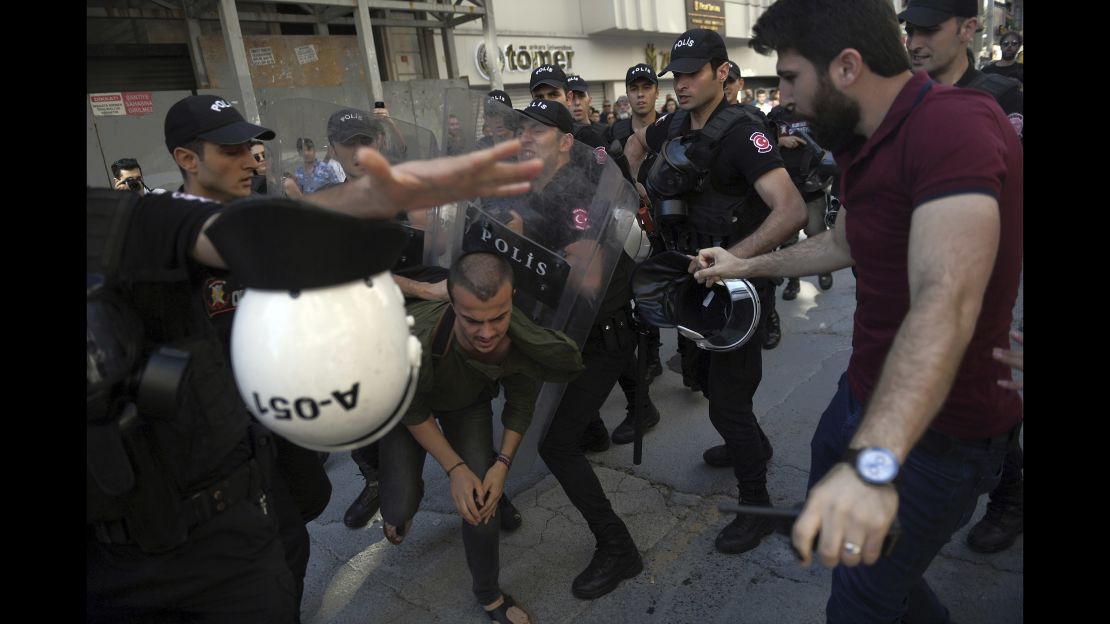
455, 381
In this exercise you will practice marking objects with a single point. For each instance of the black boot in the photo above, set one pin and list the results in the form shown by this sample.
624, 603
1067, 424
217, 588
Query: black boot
774, 331
1004, 521
720, 457
791, 291
615, 559
625, 433
365, 505
595, 438
745, 532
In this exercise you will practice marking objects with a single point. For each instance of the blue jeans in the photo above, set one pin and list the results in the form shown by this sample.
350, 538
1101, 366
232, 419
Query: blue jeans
937, 496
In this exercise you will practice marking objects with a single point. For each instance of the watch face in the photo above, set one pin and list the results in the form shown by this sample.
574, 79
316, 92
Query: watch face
877, 465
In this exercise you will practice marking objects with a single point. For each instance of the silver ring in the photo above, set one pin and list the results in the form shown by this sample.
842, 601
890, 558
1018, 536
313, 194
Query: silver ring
852, 549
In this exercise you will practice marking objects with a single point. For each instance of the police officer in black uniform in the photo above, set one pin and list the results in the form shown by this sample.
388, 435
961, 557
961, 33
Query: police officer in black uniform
943, 31
195, 537
725, 186
802, 158
201, 137
182, 491
548, 217
549, 82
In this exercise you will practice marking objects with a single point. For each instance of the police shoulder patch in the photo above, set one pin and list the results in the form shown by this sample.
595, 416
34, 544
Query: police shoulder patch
1017, 120
600, 155
760, 141
217, 300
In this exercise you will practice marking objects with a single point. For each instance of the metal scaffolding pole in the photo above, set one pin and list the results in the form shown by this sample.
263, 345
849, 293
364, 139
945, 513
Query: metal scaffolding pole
450, 56
493, 52
370, 56
233, 41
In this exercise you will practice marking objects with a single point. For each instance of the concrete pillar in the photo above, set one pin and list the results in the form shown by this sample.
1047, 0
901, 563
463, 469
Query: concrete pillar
366, 42
450, 57
192, 24
233, 42
493, 52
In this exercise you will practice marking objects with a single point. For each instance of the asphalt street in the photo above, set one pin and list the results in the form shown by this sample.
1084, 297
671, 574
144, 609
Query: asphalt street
670, 504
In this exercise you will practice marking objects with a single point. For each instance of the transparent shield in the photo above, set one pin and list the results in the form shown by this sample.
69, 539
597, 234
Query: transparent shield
297, 119
462, 121
302, 143
562, 239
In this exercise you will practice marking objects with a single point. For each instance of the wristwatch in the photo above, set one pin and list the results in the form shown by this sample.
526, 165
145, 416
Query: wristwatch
875, 465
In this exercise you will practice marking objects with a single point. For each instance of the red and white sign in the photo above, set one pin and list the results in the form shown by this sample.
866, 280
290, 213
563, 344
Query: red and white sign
126, 103
138, 103
104, 104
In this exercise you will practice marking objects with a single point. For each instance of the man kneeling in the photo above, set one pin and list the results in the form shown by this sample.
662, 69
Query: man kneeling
472, 346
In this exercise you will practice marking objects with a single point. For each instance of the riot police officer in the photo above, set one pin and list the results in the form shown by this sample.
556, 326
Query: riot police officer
719, 181
180, 500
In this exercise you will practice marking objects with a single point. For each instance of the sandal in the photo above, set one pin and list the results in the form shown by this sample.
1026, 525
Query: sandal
501, 613
395, 535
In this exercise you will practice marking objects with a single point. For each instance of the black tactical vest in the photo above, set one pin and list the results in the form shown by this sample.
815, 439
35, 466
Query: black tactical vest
176, 447
716, 219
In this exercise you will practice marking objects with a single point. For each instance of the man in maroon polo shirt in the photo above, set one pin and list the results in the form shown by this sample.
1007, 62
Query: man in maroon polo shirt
933, 178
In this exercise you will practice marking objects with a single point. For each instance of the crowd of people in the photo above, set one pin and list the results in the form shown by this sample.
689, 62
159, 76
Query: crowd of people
198, 513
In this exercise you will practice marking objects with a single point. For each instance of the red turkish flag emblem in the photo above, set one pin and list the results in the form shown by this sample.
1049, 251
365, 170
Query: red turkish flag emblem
759, 140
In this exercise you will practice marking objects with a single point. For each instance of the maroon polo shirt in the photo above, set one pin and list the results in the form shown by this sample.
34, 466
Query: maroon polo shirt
935, 141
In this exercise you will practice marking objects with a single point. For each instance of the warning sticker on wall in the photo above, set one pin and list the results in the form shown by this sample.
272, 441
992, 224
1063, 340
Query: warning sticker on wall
262, 56
105, 104
306, 54
138, 103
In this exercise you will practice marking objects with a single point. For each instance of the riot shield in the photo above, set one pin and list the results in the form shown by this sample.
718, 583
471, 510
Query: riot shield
303, 118
399, 141
462, 121
562, 240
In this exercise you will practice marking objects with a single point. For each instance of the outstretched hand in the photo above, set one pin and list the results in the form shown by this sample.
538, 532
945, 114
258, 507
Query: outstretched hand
420, 184
387, 190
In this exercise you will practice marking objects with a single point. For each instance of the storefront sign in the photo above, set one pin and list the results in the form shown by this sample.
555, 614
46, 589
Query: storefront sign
524, 57
706, 14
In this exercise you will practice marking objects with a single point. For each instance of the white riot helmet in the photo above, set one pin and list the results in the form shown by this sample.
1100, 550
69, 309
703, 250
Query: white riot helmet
322, 354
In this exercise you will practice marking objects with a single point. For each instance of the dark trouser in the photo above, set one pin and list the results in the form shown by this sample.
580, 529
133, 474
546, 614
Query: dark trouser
730, 381
300, 491
581, 402
1008, 491
470, 433
367, 458
231, 570
937, 496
